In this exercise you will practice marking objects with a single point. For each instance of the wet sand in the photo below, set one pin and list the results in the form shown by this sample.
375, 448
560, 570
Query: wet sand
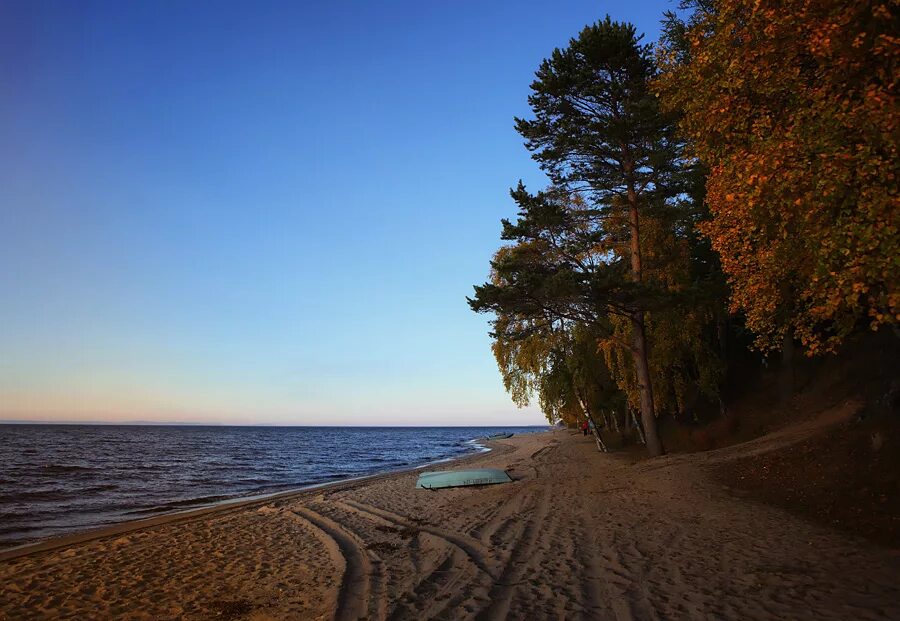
577, 535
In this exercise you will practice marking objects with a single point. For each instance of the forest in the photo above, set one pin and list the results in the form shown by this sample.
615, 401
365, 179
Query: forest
721, 205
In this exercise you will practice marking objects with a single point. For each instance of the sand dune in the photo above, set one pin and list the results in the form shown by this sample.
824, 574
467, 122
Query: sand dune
578, 535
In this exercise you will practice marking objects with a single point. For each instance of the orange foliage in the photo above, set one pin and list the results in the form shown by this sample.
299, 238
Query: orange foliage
792, 104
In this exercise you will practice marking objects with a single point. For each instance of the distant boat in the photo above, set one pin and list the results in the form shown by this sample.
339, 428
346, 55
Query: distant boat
498, 436
462, 478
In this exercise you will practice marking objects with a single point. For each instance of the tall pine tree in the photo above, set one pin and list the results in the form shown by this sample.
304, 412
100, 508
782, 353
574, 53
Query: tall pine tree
598, 131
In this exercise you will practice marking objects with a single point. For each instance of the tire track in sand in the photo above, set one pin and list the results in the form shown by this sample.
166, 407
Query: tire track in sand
505, 517
474, 549
448, 585
442, 589
521, 502
504, 587
355, 595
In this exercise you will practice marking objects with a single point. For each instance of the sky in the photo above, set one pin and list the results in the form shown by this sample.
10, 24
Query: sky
263, 212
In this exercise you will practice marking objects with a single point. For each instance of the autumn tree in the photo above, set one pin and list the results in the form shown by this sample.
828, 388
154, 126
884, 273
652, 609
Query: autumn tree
553, 287
563, 270
792, 106
598, 130
558, 363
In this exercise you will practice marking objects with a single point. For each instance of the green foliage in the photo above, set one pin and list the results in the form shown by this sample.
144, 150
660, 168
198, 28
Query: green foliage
597, 127
788, 185
562, 267
609, 251
560, 366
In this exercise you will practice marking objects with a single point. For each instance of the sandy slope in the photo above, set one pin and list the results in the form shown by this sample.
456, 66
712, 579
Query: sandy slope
578, 535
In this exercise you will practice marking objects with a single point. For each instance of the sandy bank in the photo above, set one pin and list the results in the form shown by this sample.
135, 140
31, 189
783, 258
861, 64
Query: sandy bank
577, 535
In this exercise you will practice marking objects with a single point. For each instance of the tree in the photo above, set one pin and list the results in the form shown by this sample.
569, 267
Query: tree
552, 288
598, 130
792, 105
560, 273
687, 360
557, 362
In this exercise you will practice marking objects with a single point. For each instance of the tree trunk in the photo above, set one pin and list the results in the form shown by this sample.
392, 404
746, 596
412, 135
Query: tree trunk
786, 373
648, 414
638, 427
601, 446
639, 347
722, 333
594, 429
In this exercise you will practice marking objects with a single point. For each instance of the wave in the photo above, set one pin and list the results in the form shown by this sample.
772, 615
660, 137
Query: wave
64, 469
35, 496
178, 504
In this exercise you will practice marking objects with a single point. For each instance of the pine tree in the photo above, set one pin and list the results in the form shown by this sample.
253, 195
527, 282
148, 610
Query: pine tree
598, 130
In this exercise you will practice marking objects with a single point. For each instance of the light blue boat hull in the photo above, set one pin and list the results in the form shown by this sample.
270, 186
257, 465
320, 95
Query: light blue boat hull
461, 478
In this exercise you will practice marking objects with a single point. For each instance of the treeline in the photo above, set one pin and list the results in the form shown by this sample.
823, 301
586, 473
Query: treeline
737, 178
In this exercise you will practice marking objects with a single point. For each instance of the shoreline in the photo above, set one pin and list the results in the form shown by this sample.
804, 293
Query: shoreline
230, 504
576, 534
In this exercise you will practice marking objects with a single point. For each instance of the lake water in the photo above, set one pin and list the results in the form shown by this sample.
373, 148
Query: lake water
57, 479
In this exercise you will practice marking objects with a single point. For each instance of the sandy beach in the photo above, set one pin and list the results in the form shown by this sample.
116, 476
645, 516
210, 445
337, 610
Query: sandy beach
577, 535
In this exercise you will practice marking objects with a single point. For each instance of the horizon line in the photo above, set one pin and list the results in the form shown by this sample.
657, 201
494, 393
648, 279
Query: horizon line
142, 423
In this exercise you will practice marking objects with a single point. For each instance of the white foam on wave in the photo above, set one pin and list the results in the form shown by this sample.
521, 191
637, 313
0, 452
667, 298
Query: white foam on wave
478, 446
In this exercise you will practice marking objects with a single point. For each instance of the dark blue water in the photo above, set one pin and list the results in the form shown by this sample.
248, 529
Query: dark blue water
56, 479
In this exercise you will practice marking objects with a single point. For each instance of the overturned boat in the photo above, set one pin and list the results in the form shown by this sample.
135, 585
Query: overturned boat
462, 478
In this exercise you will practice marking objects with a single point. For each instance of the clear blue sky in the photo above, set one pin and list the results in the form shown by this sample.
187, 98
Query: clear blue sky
262, 212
